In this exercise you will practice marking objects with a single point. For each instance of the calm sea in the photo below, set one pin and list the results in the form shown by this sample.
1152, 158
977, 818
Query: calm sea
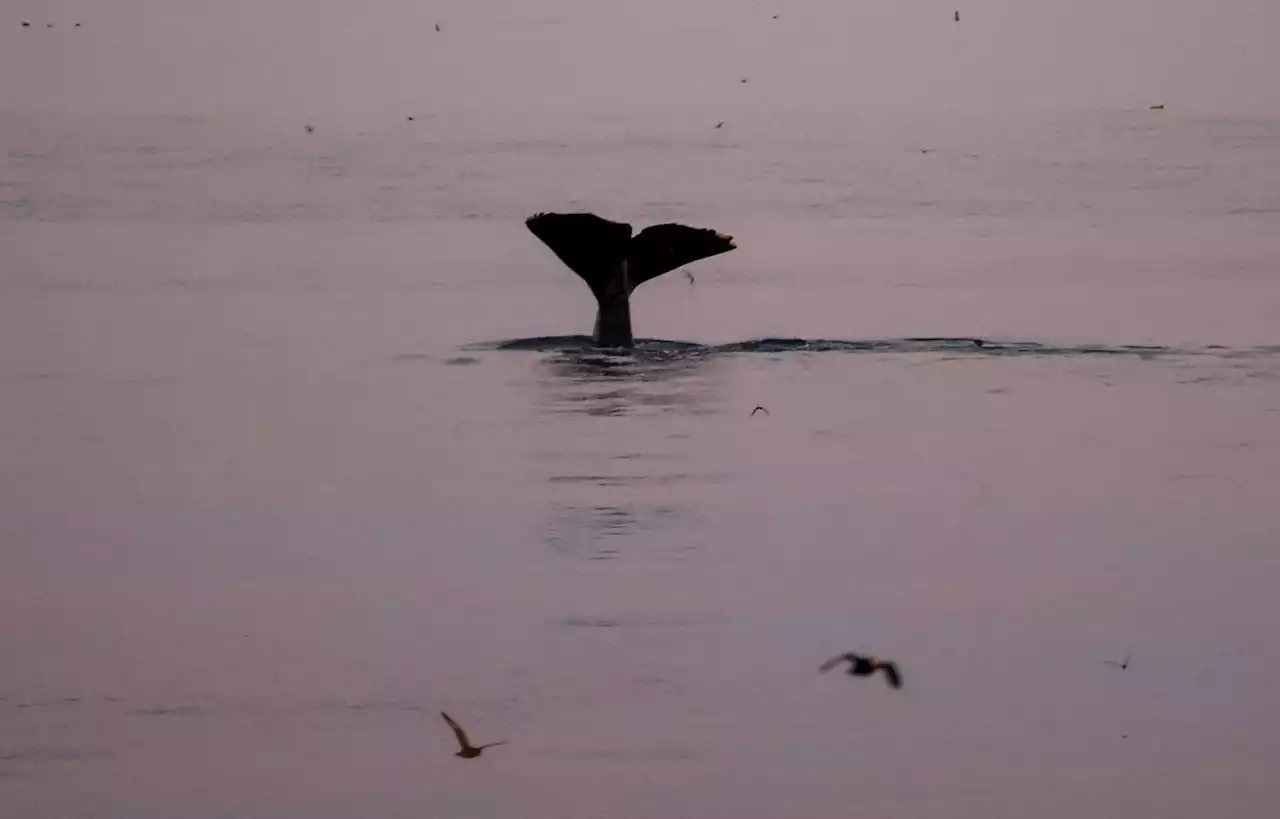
275, 490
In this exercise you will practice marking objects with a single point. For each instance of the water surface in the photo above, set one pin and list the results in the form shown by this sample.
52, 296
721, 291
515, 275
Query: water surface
301, 448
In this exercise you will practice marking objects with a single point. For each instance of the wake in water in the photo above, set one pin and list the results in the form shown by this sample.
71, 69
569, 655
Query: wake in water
665, 376
929, 344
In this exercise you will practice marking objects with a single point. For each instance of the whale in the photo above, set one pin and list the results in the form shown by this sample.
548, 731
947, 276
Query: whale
614, 263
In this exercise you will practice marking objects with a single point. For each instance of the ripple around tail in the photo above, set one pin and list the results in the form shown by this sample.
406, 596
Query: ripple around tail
558, 344
924, 344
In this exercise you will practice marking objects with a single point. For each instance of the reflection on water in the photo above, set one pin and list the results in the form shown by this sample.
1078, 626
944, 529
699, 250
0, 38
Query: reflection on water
598, 532
183, 710
667, 619
661, 377
611, 500
623, 480
288, 546
22, 761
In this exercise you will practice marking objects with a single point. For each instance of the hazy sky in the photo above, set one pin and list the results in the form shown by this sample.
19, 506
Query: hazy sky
331, 58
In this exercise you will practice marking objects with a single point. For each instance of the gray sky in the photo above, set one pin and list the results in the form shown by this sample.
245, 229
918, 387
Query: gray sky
337, 59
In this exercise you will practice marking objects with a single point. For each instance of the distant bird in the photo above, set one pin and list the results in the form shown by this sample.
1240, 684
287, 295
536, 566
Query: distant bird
410, 119
760, 408
860, 666
48, 25
26, 24
77, 25
744, 79
1156, 107
437, 26
775, 17
957, 16
311, 129
720, 124
689, 276
1122, 665
468, 751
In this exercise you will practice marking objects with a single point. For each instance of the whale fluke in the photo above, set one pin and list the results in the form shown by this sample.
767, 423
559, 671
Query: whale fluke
590, 246
613, 263
662, 248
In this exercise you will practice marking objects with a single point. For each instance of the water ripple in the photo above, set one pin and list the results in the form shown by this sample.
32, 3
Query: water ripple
649, 350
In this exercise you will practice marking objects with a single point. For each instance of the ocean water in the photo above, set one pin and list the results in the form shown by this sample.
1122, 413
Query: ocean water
299, 449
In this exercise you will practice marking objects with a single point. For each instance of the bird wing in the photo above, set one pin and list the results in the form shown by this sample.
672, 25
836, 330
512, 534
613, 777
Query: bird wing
1120, 663
591, 246
891, 671
457, 731
662, 248
835, 661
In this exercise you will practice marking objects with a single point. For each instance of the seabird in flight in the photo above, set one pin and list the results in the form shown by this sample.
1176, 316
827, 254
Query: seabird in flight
467, 750
865, 666
1122, 665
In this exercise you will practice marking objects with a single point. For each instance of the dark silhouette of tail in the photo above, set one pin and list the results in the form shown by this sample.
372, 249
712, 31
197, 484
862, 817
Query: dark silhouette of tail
613, 263
663, 248
591, 247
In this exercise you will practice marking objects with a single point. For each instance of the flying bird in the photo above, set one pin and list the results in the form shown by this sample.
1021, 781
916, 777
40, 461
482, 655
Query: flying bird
689, 276
862, 666
720, 124
760, 408
311, 129
437, 26
1122, 665
467, 750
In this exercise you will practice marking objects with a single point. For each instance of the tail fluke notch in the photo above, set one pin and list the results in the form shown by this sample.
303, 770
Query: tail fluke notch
613, 263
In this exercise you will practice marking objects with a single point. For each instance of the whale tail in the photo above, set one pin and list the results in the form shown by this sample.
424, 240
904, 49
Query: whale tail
613, 263
590, 246
662, 248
